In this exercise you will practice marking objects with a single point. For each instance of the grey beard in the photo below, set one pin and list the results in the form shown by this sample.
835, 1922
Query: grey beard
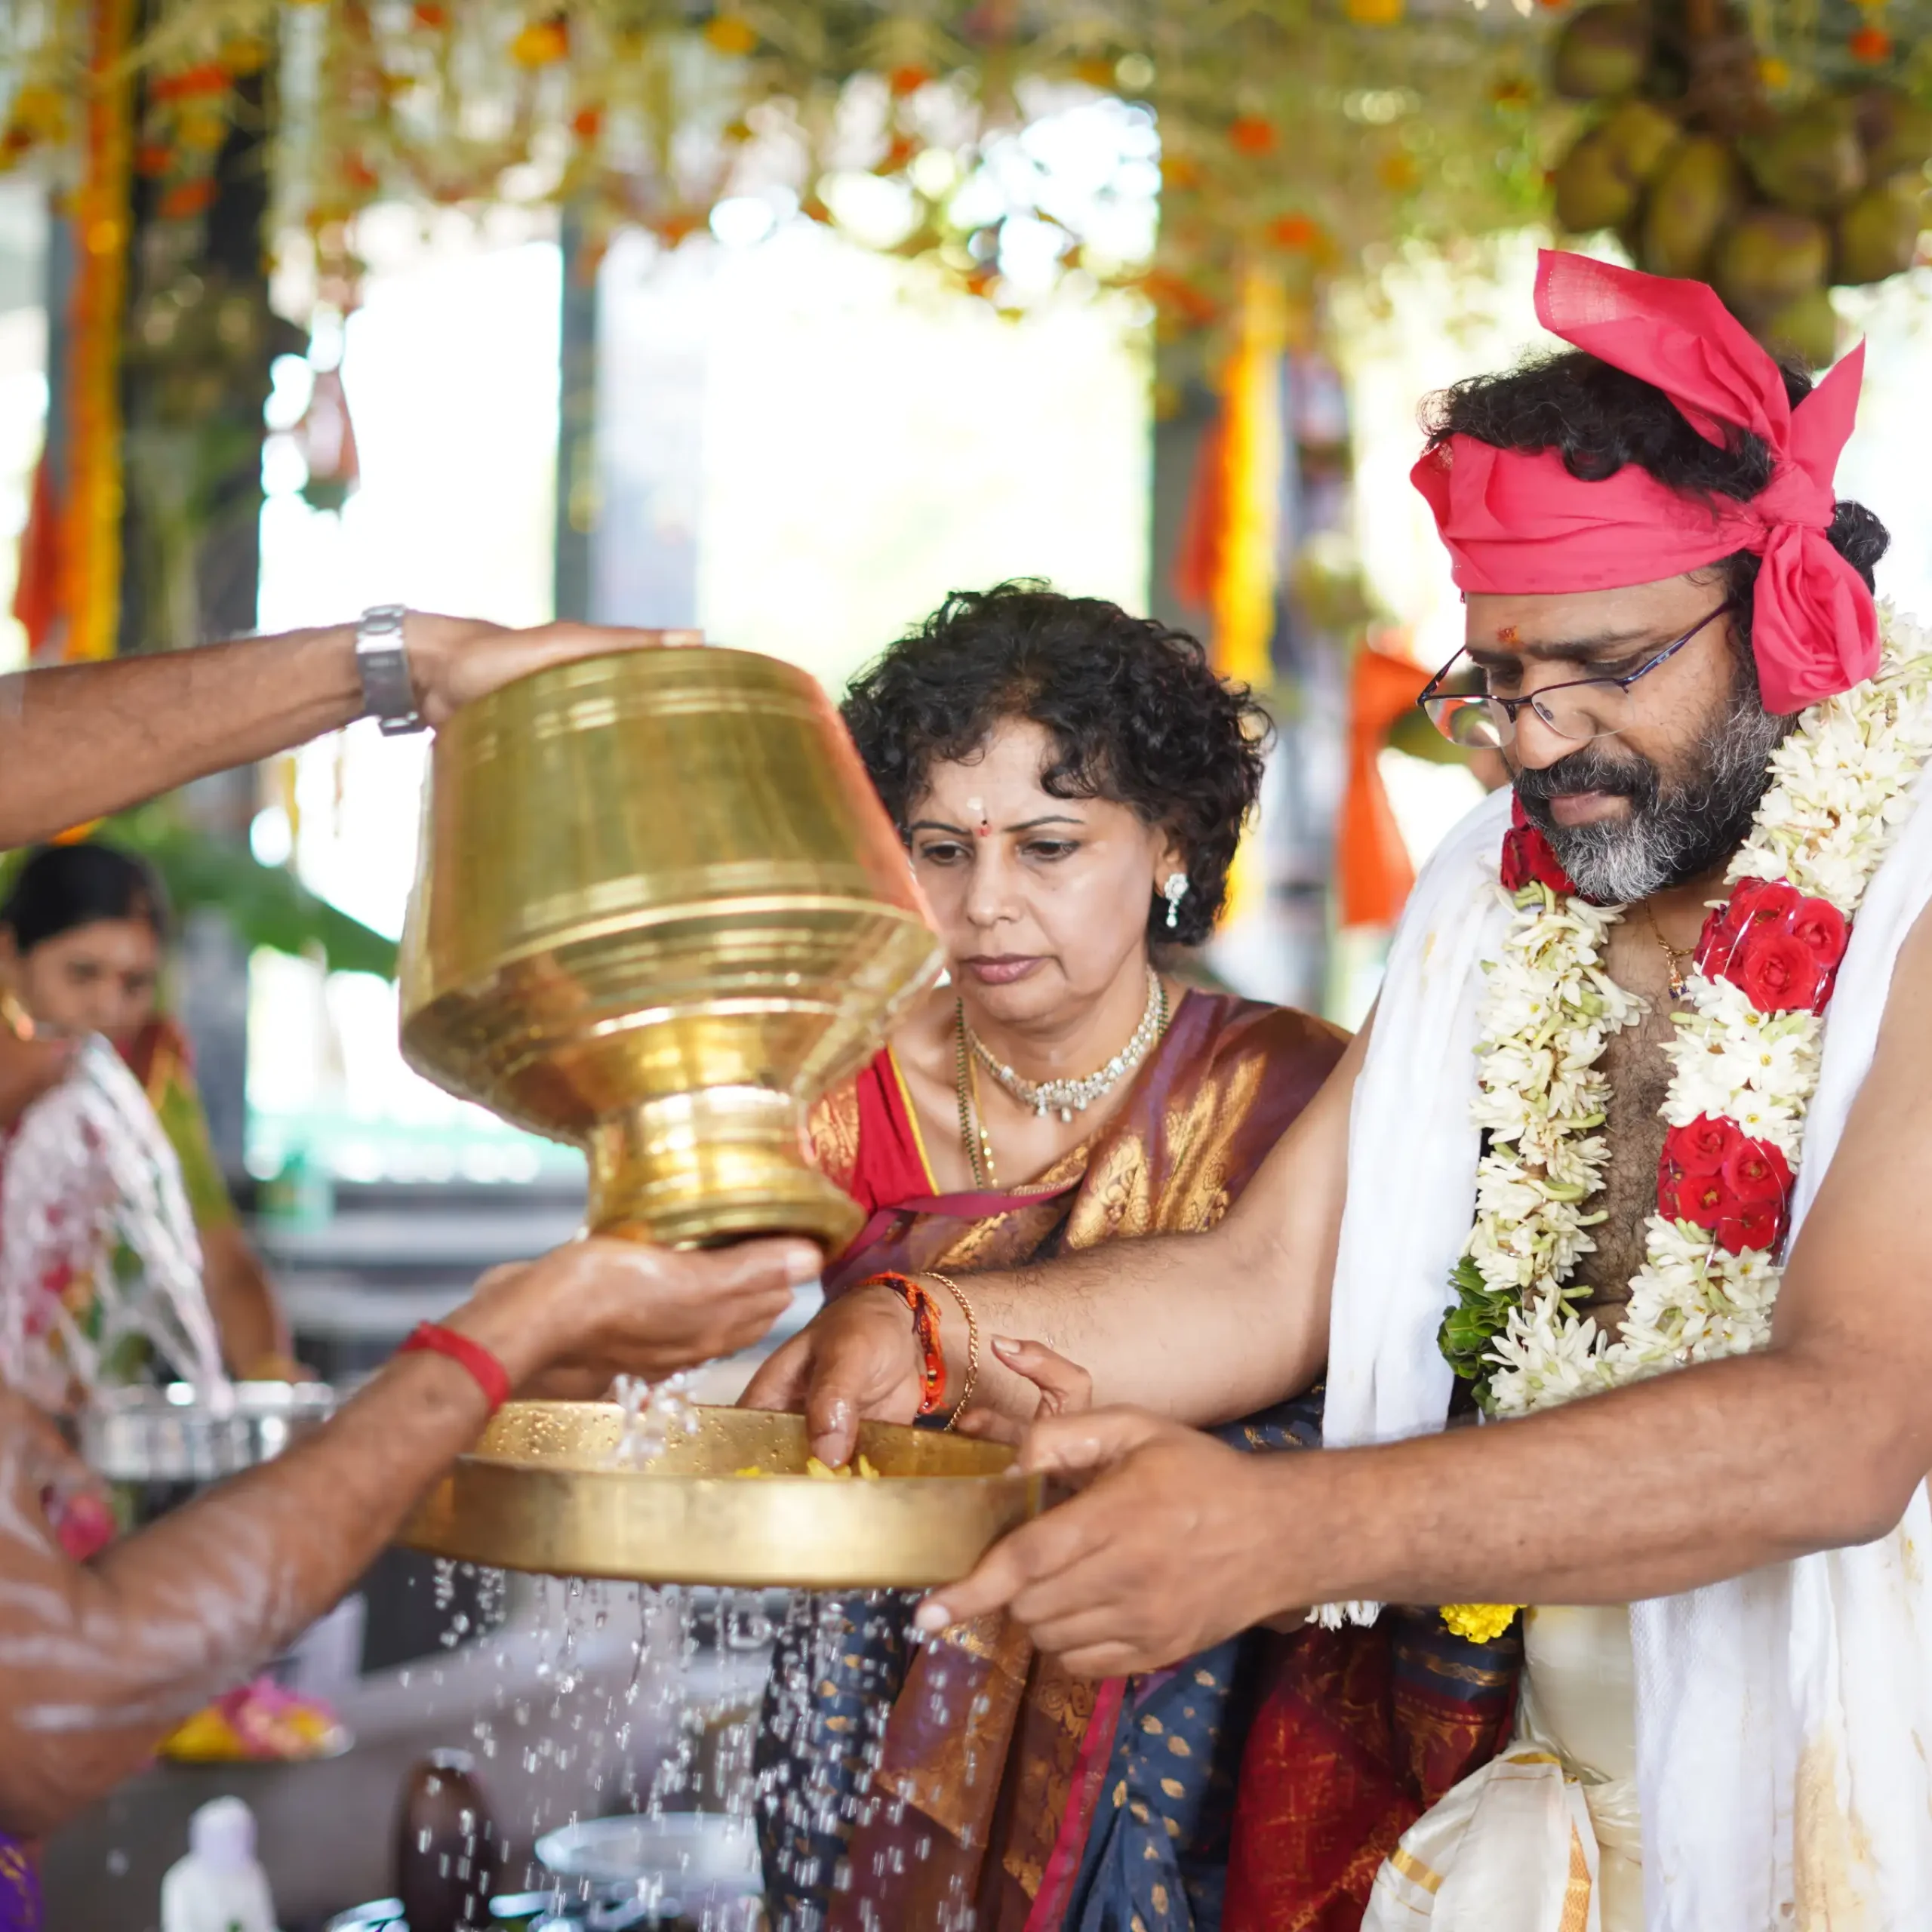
1674, 830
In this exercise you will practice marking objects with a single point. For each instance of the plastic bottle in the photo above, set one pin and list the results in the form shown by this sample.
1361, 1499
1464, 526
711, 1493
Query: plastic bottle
448, 1848
219, 1886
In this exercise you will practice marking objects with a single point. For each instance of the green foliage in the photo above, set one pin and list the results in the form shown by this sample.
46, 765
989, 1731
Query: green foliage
268, 906
1480, 1314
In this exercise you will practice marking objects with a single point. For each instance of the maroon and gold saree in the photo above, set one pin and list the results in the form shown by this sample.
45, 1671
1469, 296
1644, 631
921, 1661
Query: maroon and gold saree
995, 1780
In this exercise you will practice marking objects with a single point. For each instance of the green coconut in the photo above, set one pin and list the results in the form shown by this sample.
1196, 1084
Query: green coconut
1695, 191
1877, 234
1641, 135
1592, 190
1767, 259
1812, 160
1805, 330
1896, 131
1602, 52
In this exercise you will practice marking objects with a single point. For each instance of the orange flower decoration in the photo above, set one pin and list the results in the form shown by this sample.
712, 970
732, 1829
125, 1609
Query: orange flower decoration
542, 44
1398, 174
1095, 71
1293, 230
729, 34
904, 81
1871, 46
432, 18
190, 198
1248, 133
587, 123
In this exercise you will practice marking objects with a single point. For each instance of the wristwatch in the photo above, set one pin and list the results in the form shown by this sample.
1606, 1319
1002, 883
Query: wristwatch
388, 695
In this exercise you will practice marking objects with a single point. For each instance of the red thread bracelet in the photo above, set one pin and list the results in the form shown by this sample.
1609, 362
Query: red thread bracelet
488, 1373
925, 1329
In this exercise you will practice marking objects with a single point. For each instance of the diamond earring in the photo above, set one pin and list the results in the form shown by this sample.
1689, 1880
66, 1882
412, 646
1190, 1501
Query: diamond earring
1173, 889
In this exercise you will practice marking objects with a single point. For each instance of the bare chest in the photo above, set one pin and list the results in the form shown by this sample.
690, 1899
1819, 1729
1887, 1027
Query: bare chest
1634, 1064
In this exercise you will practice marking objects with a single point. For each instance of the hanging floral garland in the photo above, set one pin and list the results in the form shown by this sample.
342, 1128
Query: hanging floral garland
1745, 1063
1291, 139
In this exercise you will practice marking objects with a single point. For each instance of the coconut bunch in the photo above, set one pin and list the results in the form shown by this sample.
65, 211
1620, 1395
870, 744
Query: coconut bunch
1700, 175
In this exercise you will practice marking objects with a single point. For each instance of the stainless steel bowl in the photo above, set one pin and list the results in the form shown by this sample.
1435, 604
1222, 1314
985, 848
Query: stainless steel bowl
165, 1435
679, 1865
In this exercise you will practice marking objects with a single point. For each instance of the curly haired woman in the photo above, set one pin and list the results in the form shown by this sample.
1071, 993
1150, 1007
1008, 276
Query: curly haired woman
1071, 783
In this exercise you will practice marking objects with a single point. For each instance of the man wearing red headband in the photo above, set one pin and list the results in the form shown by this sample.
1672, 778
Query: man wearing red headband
1639, 1118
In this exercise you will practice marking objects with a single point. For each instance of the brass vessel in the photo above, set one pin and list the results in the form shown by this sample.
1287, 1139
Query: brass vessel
659, 911
541, 1491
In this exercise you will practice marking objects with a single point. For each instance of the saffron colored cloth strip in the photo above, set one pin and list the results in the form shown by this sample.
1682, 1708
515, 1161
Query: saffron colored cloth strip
1517, 522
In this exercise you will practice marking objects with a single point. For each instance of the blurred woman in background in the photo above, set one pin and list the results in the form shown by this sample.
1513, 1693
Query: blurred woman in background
84, 934
1071, 783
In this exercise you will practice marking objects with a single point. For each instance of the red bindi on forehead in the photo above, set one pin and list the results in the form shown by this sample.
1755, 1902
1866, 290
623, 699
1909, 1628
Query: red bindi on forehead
1508, 634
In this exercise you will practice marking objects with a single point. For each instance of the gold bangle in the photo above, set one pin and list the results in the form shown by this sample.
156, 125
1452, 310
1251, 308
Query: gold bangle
972, 1344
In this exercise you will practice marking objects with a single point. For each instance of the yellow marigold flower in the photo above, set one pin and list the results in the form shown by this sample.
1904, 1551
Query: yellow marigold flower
730, 35
1480, 1622
542, 44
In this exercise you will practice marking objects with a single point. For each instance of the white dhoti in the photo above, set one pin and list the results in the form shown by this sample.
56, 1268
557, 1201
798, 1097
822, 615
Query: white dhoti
1546, 1837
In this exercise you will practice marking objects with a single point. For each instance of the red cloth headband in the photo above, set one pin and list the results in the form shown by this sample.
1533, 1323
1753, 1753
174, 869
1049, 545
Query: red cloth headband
1518, 523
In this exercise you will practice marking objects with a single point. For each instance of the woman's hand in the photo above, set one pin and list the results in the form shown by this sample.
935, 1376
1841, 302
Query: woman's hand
859, 1359
1066, 1389
453, 661
603, 1307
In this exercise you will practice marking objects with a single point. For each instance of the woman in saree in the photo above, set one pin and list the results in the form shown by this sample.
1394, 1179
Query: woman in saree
1071, 783
83, 935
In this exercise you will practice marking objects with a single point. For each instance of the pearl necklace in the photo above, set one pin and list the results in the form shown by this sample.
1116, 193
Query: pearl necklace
1069, 1097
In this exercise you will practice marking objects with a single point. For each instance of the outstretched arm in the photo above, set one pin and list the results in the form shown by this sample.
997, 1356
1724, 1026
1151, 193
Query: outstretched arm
1817, 1442
99, 1661
79, 741
1204, 1327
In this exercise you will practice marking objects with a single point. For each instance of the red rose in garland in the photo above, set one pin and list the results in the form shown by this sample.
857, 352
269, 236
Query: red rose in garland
1755, 1170
1781, 947
1528, 858
1820, 927
1704, 1146
1755, 1224
1713, 1175
1779, 973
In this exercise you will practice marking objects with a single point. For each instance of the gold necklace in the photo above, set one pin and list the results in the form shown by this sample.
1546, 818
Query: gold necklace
1677, 958
973, 1134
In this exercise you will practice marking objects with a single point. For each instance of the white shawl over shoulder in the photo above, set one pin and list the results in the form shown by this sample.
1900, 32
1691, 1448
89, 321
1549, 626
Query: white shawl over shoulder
1784, 1718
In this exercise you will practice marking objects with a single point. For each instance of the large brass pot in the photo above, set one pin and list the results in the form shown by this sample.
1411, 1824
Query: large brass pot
658, 910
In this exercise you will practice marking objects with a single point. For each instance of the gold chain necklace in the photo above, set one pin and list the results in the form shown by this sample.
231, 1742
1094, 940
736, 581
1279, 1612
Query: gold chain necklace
973, 1134
1677, 957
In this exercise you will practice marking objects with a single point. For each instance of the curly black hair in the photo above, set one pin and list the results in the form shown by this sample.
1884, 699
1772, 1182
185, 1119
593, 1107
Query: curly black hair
1135, 711
1599, 417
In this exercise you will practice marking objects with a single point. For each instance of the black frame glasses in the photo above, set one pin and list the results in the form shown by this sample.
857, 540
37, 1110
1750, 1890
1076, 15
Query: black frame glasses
1442, 707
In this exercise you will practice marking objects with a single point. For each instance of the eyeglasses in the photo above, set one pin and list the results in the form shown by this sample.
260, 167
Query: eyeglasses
1583, 708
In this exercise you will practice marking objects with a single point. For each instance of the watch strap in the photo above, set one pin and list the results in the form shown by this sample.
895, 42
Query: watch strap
382, 658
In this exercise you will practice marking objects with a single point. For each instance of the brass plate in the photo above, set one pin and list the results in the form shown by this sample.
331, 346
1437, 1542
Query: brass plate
539, 1492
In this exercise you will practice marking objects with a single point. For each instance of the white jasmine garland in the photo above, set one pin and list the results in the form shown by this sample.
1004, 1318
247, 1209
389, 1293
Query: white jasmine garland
1840, 789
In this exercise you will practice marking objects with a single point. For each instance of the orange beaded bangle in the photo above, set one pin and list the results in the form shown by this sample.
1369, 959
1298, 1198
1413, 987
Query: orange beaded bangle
925, 1329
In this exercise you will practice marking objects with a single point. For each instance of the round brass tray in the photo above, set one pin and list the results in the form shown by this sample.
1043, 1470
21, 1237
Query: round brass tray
538, 1492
